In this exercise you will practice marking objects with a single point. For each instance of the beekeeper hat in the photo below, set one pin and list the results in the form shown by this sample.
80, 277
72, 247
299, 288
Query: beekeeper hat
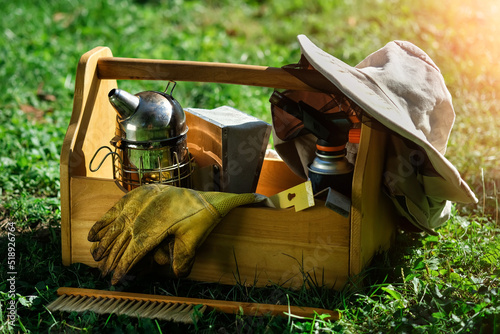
401, 87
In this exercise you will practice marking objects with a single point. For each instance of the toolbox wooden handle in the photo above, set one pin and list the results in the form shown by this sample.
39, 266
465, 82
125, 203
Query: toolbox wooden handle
178, 70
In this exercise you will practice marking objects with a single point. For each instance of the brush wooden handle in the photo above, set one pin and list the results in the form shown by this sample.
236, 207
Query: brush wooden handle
225, 306
181, 70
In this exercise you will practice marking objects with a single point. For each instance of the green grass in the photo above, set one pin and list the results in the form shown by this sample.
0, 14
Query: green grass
426, 284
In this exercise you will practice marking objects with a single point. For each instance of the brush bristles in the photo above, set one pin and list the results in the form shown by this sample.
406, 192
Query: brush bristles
133, 308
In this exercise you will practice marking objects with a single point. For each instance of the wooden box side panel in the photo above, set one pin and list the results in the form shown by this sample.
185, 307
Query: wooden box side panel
262, 246
93, 119
373, 216
250, 245
90, 199
91, 126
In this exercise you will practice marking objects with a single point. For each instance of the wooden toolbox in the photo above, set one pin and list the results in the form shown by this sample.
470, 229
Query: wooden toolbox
254, 246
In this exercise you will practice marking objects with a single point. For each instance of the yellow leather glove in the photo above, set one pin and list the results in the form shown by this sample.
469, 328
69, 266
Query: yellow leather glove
176, 219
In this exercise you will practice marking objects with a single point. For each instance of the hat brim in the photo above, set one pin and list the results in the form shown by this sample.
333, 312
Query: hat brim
362, 90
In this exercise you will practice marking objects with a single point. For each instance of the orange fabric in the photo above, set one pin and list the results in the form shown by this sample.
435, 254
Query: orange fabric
330, 148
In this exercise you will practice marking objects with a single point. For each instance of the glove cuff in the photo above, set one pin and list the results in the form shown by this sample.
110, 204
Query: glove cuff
225, 202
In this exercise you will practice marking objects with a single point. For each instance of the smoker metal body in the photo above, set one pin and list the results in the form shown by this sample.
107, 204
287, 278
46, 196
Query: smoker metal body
150, 140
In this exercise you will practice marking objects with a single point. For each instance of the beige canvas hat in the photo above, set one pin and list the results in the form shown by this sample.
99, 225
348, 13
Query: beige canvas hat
401, 87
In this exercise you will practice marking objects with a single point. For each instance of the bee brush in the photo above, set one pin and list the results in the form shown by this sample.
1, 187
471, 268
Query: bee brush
179, 309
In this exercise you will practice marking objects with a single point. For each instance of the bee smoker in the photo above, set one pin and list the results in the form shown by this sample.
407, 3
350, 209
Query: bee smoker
150, 140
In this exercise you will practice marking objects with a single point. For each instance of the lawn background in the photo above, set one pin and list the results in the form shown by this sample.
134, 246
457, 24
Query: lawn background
427, 284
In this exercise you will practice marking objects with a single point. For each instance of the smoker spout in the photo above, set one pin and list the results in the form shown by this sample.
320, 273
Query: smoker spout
124, 103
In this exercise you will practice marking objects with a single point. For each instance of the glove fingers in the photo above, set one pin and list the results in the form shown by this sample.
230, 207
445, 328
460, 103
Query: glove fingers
101, 251
132, 255
108, 236
100, 234
162, 253
97, 253
115, 256
95, 233
132, 252
183, 258
129, 205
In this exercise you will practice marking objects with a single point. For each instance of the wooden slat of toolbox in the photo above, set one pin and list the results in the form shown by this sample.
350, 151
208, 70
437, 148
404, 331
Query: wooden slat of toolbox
272, 245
